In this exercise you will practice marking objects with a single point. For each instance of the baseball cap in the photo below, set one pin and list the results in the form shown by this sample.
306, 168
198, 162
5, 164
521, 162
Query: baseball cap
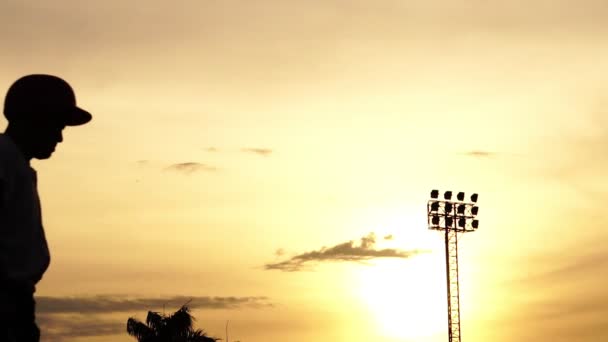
40, 96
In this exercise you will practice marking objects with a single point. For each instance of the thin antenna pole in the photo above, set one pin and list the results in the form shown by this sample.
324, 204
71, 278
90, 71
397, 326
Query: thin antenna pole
227, 331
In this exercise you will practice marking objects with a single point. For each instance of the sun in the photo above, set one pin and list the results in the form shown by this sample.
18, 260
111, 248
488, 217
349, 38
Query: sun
405, 297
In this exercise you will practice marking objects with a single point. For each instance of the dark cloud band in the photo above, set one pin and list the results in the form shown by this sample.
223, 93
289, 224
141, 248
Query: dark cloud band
109, 304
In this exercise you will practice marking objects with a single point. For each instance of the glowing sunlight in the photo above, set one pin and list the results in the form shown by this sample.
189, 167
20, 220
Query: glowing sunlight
406, 298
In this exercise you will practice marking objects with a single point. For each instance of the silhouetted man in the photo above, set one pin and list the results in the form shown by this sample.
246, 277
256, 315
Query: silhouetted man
38, 108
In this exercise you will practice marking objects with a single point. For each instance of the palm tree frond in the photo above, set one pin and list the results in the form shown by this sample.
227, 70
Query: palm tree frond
155, 321
174, 328
181, 320
139, 330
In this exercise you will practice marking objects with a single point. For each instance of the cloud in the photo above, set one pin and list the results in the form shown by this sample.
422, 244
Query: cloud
480, 154
58, 328
109, 304
347, 251
191, 167
279, 252
64, 318
186, 167
211, 149
260, 151
389, 237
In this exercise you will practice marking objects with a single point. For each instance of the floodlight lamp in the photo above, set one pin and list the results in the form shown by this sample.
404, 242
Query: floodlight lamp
461, 208
474, 198
435, 206
462, 222
435, 220
447, 195
460, 196
475, 224
435, 194
449, 222
448, 207
474, 211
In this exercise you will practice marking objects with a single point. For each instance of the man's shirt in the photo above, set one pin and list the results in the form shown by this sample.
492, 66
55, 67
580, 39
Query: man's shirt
24, 253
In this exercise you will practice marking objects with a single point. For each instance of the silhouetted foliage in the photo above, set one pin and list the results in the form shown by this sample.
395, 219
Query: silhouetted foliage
173, 328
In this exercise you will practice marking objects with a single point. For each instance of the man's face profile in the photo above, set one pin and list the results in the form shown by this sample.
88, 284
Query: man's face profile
45, 135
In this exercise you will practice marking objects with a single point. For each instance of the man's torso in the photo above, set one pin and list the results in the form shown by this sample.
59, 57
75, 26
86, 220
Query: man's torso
24, 254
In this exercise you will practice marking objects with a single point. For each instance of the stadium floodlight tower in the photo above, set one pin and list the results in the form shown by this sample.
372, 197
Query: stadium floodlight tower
454, 217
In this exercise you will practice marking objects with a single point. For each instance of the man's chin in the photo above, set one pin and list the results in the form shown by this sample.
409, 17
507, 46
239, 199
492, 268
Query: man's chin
44, 155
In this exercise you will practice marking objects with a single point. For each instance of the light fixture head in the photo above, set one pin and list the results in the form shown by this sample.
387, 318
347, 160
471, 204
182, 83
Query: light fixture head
435, 194
447, 195
435, 206
461, 208
474, 198
475, 224
475, 211
448, 208
462, 222
449, 222
460, 196
435, 220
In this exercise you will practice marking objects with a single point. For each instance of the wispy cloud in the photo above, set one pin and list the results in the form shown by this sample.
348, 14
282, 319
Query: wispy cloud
59, 328
480, 154
347, 251
191, 167
260, 151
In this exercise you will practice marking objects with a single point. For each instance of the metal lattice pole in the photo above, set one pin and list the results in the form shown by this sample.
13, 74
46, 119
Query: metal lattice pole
452, 217
451, 264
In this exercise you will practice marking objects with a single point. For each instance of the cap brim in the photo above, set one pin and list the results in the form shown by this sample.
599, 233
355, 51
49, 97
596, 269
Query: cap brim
77, 117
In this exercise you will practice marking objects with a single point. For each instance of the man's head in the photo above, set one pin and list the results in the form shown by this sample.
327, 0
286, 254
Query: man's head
38, 108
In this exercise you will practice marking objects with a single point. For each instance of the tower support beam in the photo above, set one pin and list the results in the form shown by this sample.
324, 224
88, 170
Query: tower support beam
451, 266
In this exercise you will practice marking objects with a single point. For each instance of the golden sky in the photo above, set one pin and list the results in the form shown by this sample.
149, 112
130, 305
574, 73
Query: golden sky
232, 135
